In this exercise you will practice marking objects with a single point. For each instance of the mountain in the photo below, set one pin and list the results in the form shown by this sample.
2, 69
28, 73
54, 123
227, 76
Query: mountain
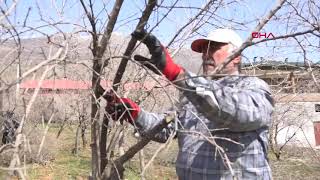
36, 50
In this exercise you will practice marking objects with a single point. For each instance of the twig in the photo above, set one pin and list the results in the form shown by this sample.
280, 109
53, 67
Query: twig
205, 8
5, 147
142, 22
167, 144
57, 56
44, 135
15, 158
138, 146
248, 42
287, 36
98, 52
6, 13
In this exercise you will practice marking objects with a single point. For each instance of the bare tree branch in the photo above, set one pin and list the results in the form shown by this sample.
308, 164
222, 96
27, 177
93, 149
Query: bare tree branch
205, 8
136, 148
98, 51
142, 22
248, 42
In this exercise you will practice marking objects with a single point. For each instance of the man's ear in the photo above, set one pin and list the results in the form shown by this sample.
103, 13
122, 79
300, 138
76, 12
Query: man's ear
236, 60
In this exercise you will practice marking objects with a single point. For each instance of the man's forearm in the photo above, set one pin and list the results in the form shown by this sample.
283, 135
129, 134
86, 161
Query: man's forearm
146, 121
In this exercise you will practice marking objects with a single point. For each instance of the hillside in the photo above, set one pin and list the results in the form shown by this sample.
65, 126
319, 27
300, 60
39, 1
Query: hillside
36, 50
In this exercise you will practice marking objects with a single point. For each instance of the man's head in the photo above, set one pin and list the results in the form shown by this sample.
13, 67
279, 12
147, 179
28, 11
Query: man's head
216, 47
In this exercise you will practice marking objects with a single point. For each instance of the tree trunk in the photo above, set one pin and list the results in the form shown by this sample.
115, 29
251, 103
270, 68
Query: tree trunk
76, 143
143, 20
1, 99
83, 134
104, 42
95, 155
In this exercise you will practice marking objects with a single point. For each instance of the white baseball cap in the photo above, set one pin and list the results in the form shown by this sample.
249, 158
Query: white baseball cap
218, 35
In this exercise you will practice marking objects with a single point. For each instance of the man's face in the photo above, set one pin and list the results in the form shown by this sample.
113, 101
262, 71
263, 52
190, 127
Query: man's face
214, 54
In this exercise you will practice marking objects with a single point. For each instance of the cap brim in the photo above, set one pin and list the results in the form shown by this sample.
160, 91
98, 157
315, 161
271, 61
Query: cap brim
197, 45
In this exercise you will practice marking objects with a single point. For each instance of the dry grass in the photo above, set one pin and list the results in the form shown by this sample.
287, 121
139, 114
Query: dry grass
296, 163
62, 164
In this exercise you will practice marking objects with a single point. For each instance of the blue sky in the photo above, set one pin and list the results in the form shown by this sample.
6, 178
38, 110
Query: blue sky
243, 11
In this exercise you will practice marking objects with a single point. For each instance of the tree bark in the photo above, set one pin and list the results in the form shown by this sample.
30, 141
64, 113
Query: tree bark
76, 143
1, 99
83, 134
104, 42
115, 169
98, 52
143, 20
124, 61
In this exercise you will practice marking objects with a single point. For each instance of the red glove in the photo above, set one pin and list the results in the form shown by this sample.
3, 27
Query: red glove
160, 57
123, 109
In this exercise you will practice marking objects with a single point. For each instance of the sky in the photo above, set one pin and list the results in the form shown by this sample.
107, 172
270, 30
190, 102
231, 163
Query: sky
44, 12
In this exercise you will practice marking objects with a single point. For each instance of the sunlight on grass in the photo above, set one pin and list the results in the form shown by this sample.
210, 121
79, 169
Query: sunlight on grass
2, 174
65, 165
131, 174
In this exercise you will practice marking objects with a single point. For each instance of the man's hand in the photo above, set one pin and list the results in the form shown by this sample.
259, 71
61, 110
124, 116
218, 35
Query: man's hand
160, 57
123, 109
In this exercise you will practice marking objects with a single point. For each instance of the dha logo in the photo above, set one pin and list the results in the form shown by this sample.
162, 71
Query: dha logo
262, 35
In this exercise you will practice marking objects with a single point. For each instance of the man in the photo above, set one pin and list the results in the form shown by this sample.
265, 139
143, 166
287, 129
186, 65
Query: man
235, 111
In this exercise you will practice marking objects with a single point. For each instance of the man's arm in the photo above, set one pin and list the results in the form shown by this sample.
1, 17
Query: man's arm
146, 121
244, 107
125, 109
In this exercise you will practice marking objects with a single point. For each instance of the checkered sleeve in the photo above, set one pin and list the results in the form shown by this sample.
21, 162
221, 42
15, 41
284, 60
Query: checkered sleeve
243, 105
146, 121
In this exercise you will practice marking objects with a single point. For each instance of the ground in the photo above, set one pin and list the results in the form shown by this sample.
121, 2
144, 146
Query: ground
296, 163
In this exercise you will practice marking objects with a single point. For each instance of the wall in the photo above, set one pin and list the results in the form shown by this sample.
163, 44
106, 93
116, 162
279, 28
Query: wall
295, 119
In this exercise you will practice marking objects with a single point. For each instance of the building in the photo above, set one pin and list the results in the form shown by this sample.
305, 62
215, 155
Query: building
62, 86
296, 119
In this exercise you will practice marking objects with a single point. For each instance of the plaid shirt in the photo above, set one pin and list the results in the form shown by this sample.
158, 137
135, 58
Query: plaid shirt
233, 108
